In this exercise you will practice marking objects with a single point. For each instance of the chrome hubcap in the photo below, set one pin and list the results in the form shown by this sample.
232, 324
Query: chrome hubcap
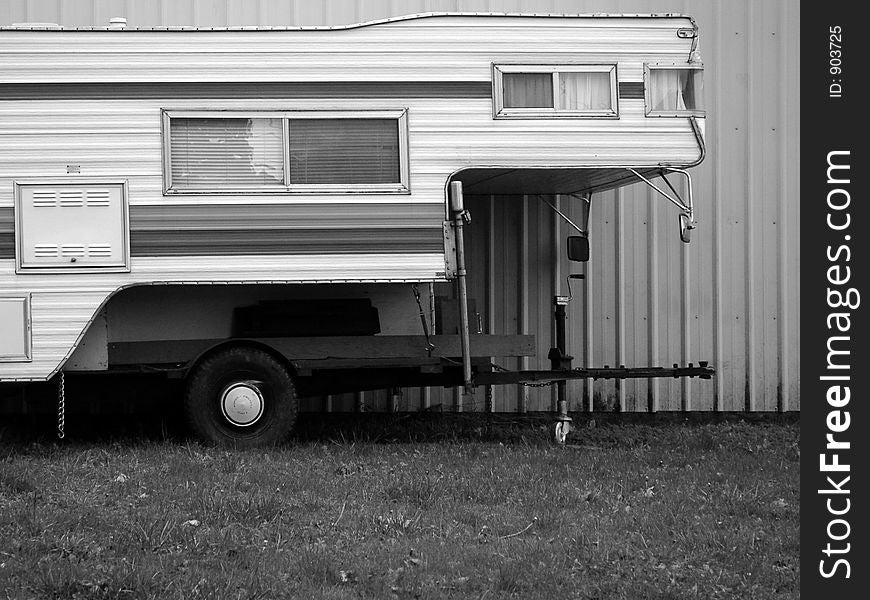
242, 403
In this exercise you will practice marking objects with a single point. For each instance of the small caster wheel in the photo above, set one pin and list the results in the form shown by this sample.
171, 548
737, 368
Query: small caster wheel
562, 429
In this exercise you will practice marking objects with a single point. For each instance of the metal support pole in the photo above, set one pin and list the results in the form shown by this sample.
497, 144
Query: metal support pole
559, 361
562, 386
460, 217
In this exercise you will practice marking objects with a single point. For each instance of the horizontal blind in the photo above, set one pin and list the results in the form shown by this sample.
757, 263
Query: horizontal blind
344, 151
219, 153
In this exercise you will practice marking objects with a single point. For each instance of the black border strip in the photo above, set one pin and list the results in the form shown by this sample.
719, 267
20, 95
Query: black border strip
834, 223
244, 91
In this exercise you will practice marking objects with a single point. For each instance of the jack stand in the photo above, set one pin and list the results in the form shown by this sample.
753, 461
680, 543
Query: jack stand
559, 361
563, 423
395, 399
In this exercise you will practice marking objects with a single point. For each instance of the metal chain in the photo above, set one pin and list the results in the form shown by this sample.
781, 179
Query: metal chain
429, 345
61, 407
524, 384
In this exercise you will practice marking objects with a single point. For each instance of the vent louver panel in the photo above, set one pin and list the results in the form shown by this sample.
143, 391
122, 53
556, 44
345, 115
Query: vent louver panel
72, 198
45, 250
72, 226
75, 250
44, 199
100, 250
97, 197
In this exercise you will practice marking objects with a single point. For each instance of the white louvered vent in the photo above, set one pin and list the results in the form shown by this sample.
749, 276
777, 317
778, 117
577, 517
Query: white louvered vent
100, 250
69, 226
97, 198
72, 198
72, 250
44, 199
45, 250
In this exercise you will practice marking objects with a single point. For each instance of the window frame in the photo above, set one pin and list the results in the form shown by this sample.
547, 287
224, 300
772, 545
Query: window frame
501, 112
400, 115
647, 90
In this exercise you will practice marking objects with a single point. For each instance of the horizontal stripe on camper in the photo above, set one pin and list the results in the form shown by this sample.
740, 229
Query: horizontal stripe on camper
295, 90
256, 241
170, 216
270, 229
7, 233
286, 241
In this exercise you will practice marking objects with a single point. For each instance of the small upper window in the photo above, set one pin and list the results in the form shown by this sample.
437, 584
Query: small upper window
524, 91
287, 151
674, 90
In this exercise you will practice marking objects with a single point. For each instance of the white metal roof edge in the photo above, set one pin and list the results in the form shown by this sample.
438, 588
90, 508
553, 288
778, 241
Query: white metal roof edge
53, 27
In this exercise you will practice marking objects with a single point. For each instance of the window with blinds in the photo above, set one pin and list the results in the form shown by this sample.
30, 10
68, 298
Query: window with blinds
542, 91
213, 154
344, 151
673, 90
293, 151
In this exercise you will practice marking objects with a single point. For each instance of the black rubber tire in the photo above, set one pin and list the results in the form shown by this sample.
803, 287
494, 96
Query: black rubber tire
213, 374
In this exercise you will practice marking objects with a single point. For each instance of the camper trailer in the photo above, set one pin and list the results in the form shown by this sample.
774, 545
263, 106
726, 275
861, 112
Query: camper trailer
269, 212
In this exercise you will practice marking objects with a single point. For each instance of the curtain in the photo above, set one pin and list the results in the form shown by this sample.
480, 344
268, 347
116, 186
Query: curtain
674, 89
528, 90
584, 91
218, 154
344, 151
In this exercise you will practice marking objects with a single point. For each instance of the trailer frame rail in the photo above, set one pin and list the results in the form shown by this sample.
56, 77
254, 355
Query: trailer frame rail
702, 370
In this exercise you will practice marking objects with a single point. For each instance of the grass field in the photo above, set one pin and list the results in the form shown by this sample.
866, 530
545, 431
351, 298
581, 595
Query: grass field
464, 510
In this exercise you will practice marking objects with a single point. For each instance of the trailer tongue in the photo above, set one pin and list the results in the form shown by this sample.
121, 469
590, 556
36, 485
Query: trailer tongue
701, 370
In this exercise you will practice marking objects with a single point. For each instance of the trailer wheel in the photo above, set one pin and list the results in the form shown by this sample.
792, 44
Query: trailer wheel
241, 397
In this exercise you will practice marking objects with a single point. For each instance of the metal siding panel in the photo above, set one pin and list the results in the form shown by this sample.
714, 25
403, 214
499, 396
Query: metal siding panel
210, 13
789, 189
751, 192
544, 266
42, 11
636, 317
701, 313
138, 14
244, 12
716, 198
602, 221
524, 298
766, 206
13, 11
732, 152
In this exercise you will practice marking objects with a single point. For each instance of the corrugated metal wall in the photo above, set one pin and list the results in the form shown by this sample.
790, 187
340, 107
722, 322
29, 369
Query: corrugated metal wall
731, 297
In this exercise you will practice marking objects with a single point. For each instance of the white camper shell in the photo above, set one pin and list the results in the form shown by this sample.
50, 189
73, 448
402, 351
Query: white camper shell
247, 161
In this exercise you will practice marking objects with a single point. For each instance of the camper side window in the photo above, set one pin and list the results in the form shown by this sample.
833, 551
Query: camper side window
285, 152
673, 90
547, 91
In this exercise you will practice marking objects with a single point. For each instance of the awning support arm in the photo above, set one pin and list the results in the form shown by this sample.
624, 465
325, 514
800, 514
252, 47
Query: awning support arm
585, 198
687, 216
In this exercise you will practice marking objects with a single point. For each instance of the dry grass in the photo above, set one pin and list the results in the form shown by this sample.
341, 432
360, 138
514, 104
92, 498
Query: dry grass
636, 511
